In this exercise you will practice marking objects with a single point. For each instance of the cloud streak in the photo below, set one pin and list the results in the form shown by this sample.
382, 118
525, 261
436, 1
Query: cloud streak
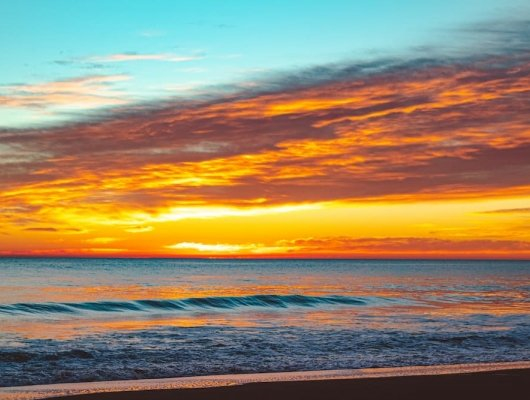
92, 91
360, 247
129, 57
409, 245
509, 211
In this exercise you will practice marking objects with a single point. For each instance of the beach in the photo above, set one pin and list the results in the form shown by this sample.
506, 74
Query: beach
460, 381
486, 385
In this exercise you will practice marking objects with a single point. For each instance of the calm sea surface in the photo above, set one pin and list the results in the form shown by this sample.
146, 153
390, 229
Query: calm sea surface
67, 320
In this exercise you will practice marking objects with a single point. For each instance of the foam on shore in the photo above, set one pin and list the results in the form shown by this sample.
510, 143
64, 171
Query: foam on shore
67, 389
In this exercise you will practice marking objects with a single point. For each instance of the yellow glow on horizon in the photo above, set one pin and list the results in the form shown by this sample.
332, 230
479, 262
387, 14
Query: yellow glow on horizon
319, 229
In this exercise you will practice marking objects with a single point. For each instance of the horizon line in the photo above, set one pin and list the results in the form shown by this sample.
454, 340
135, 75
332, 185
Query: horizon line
265, 258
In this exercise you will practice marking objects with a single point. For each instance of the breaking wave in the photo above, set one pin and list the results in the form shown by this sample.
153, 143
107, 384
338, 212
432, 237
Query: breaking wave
189, 304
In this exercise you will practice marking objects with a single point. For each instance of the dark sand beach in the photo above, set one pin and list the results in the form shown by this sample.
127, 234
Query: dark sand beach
507, 384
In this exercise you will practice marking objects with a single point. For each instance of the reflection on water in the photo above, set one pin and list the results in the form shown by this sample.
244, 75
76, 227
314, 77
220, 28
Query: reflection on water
185, 317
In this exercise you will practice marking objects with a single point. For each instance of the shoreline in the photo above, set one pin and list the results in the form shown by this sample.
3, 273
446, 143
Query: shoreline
145, 388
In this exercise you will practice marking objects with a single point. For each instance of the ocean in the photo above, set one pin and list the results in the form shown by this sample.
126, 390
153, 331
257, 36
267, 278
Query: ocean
73, 320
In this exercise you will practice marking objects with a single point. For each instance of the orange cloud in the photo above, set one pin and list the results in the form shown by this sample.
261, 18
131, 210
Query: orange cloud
416, 133
411, 246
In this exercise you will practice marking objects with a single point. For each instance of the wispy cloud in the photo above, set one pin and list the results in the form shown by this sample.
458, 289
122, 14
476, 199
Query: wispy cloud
139, 229
53, 229
81, 92
408, 245
509, 211
226, 248
215, 248
41, 229
350, 246
128, 57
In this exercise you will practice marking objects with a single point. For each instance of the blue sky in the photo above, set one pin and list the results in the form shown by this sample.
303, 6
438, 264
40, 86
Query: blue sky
152, 50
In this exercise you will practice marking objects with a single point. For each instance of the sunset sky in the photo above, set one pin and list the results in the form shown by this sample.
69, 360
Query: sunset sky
265, 129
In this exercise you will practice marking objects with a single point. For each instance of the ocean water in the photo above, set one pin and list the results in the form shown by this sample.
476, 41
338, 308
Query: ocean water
72, 320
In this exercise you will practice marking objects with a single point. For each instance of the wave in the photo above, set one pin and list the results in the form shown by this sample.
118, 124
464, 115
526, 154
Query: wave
189, 304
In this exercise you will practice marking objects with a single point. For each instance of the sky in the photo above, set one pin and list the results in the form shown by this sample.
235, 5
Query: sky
364, 129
